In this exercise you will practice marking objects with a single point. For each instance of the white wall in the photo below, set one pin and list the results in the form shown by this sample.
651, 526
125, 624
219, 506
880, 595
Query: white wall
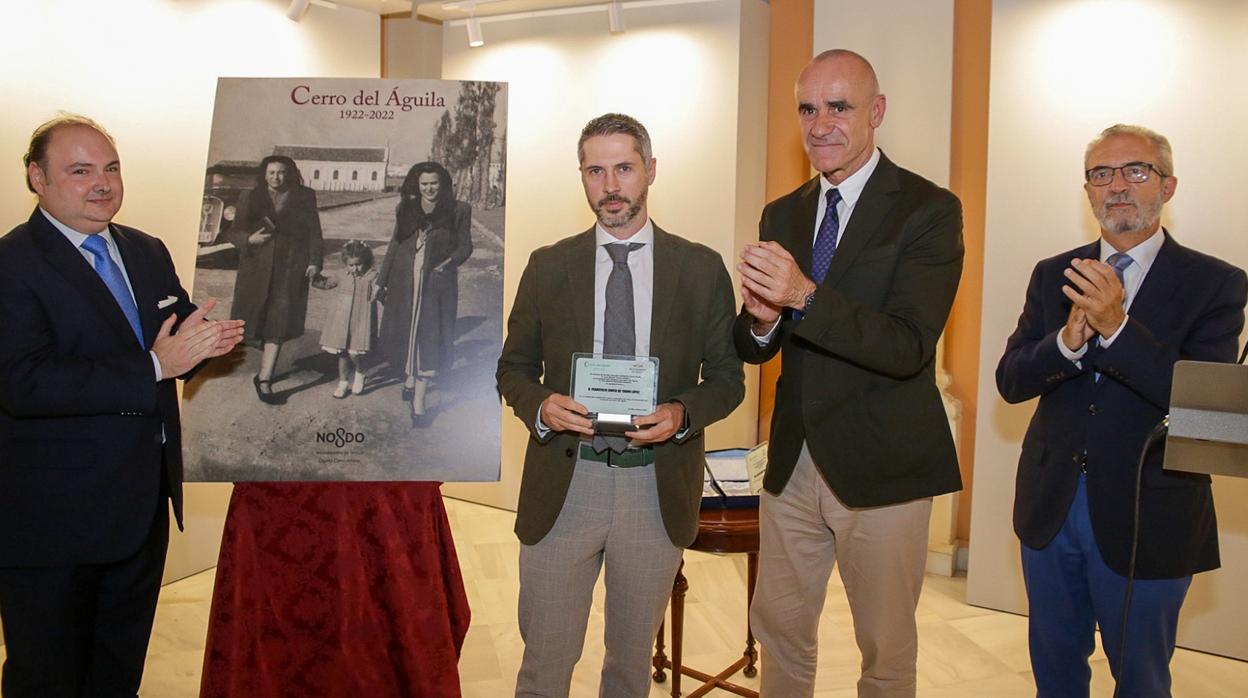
910, 45
1062, 71
694, 73
147, 71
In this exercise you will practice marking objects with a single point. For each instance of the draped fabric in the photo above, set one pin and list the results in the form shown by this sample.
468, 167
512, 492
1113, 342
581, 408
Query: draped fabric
336, 589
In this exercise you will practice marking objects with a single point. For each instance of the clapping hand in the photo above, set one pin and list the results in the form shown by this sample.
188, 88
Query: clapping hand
1098, 293
197, 339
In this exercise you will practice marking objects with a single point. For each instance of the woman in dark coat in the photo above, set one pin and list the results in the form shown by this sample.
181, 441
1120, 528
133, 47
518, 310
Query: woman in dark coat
419, 280
278, 235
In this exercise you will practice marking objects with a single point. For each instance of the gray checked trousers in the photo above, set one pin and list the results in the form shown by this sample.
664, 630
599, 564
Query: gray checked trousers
611, 516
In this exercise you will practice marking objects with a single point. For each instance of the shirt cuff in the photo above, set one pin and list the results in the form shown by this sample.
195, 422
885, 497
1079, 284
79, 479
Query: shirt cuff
684, 427
764, 340
538, 426
156, 365
1074, 356
1110, 340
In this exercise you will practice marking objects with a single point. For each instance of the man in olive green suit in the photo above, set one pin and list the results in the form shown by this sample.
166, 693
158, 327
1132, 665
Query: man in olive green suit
621, 287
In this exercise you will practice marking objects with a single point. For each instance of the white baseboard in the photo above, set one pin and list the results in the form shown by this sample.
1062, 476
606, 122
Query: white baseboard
942, 559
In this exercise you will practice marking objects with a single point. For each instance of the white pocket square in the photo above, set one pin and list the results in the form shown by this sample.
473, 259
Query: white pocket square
170, 300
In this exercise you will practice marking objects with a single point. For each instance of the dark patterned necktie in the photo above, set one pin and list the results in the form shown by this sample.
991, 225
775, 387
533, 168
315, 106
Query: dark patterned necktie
825, 241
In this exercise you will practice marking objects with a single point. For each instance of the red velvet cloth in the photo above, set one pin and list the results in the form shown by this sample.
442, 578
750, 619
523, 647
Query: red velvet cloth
336, 589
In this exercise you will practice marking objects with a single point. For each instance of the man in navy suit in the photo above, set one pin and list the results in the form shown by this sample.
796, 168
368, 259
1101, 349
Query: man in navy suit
95, 328
1101, 329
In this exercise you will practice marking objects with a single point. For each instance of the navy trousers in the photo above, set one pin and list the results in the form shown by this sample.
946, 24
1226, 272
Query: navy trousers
81, 631
1071, 591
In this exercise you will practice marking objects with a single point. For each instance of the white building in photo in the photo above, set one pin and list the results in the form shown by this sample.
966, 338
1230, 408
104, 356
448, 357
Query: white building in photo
339, 168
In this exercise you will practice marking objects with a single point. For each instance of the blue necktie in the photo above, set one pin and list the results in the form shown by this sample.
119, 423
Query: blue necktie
825, 241
1119, 261
112, 276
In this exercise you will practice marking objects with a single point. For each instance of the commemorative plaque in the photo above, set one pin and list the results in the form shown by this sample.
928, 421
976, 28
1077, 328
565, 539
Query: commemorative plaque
615, 389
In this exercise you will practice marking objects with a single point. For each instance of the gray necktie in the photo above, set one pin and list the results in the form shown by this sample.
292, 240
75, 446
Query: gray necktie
619, 325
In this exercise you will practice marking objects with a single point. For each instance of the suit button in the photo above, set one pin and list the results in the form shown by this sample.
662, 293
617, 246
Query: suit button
1093, 410
567, 452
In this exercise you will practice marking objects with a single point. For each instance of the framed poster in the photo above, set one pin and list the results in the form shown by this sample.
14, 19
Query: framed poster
356, 225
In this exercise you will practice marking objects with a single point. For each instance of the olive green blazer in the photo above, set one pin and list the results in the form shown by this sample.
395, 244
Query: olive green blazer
690, 333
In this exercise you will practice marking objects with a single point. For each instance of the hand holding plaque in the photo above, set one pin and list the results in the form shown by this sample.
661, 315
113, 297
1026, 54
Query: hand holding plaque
615, 389
659, 426
562, 413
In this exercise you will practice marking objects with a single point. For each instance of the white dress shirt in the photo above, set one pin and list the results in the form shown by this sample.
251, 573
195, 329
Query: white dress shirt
1142, 257
851, 190
76, 239
641, 266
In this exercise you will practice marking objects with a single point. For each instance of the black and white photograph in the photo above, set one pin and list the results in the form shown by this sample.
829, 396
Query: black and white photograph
356, 226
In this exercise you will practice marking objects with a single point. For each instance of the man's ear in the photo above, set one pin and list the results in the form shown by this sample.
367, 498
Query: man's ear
38, 179
1168, 185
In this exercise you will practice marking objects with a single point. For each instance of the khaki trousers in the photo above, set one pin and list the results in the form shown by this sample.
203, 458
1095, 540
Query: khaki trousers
882, 552
610, 516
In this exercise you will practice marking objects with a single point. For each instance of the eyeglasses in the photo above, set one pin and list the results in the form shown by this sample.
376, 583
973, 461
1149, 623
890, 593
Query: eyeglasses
1132, 172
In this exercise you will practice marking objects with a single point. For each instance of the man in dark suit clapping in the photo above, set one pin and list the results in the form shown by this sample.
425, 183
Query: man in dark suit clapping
95, 328
1101, 329
853, 277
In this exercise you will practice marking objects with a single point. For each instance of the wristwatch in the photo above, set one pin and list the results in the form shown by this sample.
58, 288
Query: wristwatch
810, 299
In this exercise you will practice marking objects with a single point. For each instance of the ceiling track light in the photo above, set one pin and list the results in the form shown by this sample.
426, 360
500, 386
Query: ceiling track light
475, 38
297, 9
615, 16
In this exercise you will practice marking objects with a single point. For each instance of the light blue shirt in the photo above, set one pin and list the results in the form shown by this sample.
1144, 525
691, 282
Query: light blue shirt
76, 239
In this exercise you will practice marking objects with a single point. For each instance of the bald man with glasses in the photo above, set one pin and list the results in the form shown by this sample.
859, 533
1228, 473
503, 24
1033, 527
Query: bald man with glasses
1101, 329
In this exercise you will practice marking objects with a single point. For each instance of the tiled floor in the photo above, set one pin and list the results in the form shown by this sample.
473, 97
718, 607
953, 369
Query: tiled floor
963, 651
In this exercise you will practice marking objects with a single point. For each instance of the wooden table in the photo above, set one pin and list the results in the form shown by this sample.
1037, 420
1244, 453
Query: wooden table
719, 531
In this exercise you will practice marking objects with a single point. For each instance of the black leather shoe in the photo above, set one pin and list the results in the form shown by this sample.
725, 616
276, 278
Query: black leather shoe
265, 392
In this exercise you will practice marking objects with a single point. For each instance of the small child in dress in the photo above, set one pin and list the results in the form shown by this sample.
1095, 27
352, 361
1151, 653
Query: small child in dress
352, 318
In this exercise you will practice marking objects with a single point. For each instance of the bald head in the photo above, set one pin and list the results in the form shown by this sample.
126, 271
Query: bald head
848, 61
839, 106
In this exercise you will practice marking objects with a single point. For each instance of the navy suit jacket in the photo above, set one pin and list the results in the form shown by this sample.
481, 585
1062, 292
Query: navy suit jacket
1190, 306
90, 443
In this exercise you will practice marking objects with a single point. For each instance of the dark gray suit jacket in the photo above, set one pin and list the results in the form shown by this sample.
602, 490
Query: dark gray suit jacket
857, 380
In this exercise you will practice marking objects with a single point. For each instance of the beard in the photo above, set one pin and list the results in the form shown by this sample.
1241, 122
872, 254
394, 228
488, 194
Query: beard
1143, 216
618, 220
